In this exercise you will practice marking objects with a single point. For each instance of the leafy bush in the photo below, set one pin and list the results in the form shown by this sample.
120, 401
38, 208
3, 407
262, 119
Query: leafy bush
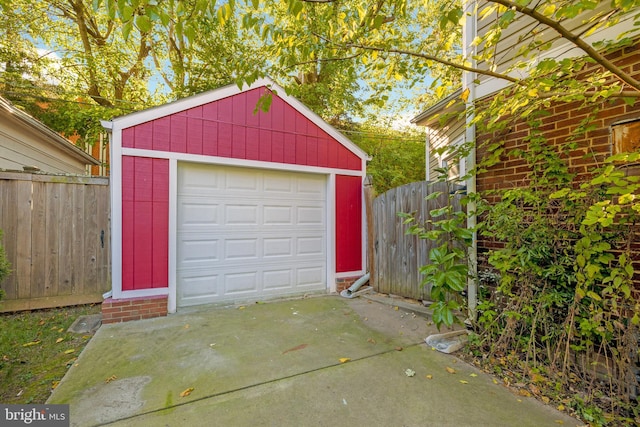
5, 266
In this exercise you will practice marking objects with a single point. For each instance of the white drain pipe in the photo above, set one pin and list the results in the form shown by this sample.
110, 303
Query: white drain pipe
351, 292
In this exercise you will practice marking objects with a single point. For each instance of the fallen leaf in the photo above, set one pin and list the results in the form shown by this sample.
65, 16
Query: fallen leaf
559, 422
464, 382
111, 378
450, 370
398, 348
71, 350
473, 375
186, 326
560, 407
54, 384
242, 307
495, 381
371, 340
396, 308
298, 347
59, 340
29, 344
545, 399
409, 372
344, 359
523, 392
187, 392
429, 377
60, 329
40, 323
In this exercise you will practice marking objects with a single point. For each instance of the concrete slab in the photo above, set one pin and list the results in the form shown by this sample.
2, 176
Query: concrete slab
279, 364
86, 324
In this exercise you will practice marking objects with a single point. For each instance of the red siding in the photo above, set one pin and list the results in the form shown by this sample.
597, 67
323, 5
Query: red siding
145, 223
348, 223
230, 127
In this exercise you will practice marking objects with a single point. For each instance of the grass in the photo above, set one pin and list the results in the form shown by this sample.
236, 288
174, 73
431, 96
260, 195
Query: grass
36, 350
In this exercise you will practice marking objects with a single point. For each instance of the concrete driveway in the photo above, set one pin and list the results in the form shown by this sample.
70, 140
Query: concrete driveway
322, 361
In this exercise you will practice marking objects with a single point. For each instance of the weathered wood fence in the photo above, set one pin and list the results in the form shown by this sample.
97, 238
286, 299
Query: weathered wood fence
56, 236
397, 256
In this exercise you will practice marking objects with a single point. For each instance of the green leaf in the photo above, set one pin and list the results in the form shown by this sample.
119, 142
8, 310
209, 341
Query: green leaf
126, 29
594, 296
143, 23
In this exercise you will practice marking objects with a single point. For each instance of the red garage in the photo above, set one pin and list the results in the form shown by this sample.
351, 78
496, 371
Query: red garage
215, 202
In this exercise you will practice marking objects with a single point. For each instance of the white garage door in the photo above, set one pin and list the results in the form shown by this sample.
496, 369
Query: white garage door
247, 234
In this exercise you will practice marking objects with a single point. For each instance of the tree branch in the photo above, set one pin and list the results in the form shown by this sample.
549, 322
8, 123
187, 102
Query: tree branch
423, 56
573, 38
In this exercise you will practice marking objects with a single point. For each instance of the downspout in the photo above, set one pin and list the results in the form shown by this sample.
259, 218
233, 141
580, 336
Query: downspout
469, 30
352, 291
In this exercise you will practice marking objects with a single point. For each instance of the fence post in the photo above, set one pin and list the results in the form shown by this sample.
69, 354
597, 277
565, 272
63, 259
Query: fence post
368, 201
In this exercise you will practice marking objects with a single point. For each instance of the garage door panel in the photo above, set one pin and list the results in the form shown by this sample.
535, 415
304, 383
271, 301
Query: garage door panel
277, 215
310, 245
311, 187
194, 251
310, 215
241, 214
244, 249
238, 180
241, 283
200, 285
199, 213
278, 183
310, 276
252, 234
274, 280
197, 179
277, 247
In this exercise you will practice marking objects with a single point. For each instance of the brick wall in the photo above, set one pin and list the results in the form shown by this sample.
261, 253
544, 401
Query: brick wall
125, 310
563, 119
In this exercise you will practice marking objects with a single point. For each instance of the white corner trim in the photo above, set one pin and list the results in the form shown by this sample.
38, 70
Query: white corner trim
331, 232
172, 304
142, 293
230, 161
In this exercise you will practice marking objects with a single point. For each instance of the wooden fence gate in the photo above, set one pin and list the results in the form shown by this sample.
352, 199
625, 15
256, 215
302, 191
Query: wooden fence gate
397, 256
56, 236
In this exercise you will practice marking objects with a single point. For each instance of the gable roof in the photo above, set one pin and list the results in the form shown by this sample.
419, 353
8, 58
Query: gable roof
48, 134
160, 111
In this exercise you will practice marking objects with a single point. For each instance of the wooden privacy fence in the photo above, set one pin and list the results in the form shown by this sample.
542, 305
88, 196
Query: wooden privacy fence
397, 257
56, 236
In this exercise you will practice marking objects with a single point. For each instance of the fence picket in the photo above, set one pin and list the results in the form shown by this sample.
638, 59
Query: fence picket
399, 256
53, 232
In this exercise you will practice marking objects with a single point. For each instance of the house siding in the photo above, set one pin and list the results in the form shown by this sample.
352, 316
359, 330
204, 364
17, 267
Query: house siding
145, 223
230, 128
563, 119
348, 223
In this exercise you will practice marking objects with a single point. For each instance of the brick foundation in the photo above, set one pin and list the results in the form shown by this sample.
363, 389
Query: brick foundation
345, 282
125, 310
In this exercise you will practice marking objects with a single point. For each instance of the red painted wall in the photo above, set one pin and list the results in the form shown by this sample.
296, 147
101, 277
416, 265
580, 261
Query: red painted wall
224, 128
348, 223
229, 128
145, 223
